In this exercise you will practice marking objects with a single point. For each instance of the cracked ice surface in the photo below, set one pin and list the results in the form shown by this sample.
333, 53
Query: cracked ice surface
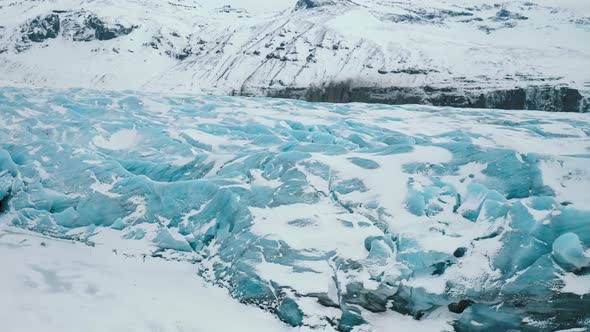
336, 217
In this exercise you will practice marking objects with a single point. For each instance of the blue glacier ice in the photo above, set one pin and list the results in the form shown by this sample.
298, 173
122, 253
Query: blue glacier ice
569, 253
331, 216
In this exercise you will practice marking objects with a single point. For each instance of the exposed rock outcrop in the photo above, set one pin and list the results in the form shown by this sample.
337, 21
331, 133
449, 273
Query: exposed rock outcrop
74, 25
42, 28
309, 4
541, 97
94, 28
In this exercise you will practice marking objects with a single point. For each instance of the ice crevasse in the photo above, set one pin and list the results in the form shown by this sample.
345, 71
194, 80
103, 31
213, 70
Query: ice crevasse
333, 217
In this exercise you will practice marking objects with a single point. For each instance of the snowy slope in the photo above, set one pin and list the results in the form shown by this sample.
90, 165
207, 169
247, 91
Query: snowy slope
55, 285
510, 54
356, 217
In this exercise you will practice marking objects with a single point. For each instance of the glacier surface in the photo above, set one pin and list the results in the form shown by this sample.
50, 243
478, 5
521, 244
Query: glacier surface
333, 217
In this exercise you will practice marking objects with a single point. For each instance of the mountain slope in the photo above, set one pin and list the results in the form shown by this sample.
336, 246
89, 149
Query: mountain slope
512, 54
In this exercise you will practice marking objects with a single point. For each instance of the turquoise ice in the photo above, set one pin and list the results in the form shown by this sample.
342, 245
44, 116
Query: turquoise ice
331, 216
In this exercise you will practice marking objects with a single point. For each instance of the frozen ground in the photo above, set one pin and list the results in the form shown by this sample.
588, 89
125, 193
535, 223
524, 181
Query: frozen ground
348, 217
56, 285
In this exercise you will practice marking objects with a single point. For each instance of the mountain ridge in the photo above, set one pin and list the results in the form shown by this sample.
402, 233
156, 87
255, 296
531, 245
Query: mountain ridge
466, 54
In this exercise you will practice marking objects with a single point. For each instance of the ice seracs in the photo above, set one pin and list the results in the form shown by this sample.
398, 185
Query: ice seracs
332, 217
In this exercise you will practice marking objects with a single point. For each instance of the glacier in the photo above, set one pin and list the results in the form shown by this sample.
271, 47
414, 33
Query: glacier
333, 217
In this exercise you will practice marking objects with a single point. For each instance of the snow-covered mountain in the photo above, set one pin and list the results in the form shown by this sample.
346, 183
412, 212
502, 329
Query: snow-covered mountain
529, 54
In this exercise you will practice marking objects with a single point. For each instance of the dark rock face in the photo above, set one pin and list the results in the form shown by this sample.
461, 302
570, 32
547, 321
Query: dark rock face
540, 97
558, 99
4, 201
42, 28
459, 307
79, 26
505, 15
460, 252
96, 29
309, 4
423, 16
306, 4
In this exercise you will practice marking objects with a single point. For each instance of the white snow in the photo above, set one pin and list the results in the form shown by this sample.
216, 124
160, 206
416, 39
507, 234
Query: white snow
103, 187
59, 286
396, 322
325, 231
575, 284
123, 139
230, 48
569, 179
